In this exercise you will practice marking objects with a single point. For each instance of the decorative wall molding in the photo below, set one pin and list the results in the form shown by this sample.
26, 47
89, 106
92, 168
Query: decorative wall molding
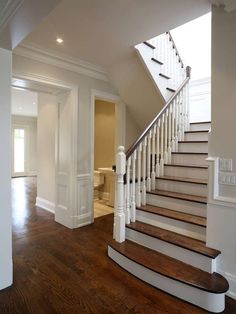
229, 5
8, 9
84, 200
45, 204
213, 186
65, 62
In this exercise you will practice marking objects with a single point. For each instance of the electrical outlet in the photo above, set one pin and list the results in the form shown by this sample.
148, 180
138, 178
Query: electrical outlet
226, 164
227, 178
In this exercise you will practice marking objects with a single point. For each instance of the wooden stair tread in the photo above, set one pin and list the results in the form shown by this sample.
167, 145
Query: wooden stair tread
193, 141
181, 196
189, 153
192, 219
182, 179
180, 240
149, 45
171, 268
186, 166
157, 61
200, 122
197, 131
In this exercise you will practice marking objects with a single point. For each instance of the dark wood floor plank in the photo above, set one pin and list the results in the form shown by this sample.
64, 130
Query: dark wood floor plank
58, 270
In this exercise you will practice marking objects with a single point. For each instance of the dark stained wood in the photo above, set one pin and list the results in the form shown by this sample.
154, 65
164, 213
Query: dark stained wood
200, 122
181, 196
157, 61
177, 52
180, 240
197, 131
181, 179
145, 132
186, 166
171, 89
176, 215
171, 268
193, 142
149, 45
165, 76
58, 270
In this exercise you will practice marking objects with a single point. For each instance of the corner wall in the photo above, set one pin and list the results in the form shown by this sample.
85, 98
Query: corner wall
221, 211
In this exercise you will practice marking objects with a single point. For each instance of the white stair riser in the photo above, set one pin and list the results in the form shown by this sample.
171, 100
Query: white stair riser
181, 227
203, 136
184, 172
200, 127
182, 187
192, 258
193, 147
189, 159
183, 206
209, 301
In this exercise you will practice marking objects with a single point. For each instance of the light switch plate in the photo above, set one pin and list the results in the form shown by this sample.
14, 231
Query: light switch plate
226, 164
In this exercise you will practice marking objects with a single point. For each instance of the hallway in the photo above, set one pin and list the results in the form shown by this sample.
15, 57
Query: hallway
58, 270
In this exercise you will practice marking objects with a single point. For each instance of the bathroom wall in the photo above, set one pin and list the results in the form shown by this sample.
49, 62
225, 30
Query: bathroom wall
104, 134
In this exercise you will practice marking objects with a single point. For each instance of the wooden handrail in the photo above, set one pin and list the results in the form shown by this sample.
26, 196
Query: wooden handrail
142, 136
174, 46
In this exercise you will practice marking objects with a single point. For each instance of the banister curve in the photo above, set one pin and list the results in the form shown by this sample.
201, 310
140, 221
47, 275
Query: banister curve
142, 136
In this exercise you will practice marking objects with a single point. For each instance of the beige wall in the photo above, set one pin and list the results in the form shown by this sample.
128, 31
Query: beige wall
132, 130
222, 142
30, 123
47, 117
104, 134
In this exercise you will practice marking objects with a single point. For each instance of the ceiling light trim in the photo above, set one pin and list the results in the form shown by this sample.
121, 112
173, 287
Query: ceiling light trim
65, 62
8, 12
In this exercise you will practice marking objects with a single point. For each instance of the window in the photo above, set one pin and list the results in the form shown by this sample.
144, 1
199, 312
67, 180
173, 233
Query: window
19, 150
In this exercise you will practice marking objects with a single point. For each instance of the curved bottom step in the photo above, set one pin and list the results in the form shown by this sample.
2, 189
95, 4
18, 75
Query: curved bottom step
204, 298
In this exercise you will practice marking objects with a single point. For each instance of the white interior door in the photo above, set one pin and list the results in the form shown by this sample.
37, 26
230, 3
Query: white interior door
19, 152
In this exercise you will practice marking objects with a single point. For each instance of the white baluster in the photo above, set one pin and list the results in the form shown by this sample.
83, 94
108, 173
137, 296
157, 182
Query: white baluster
119, 220
176, 122
149, 161
127, 213
153, 175
158, 148
133, 204
187, 100
183, 115
162, 146
169, 135
144, 172
173, 126
139, 176
165, 137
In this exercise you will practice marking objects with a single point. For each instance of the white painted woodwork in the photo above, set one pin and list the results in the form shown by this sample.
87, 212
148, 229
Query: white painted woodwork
185, 228
186, 172
127, 187
144, 163
6, 271
189, 159
182, 187
133, 189
193, 147
183, 206
209, 301
200, 126
199, 136
187, 256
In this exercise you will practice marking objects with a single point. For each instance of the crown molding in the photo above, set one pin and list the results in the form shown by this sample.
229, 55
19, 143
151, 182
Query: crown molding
65, 62
8, 10
229, 5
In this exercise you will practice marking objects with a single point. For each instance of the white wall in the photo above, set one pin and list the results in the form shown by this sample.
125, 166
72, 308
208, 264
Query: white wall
5, 170
46, 141
30, 124
221, 213
200, 100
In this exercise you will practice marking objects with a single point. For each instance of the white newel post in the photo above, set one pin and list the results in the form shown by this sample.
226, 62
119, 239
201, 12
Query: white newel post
119, 221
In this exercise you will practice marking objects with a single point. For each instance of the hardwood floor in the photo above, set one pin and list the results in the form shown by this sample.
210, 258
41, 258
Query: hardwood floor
58, 270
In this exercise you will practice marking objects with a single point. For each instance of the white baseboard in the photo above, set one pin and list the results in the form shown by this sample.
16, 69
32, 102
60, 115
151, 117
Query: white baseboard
232, 284
45, 204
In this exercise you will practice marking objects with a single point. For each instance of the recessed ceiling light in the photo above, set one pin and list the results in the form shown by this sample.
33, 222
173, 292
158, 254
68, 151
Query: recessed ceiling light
20, 108
59, 40
34, 103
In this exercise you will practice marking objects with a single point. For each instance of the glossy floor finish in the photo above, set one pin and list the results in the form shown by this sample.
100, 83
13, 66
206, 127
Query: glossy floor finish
57, 270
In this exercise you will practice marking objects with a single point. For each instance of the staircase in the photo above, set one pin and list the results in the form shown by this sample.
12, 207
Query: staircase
160, 217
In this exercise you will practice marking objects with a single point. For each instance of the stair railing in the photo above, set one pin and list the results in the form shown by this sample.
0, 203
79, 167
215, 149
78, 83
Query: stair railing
138, 168
167, 53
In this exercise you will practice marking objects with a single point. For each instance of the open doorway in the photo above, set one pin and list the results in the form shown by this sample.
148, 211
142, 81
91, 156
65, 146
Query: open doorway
104, 157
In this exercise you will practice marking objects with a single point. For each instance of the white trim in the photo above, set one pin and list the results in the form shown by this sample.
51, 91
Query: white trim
213, 186
202, 81
45, 204
9, 11
65, 62
232, 283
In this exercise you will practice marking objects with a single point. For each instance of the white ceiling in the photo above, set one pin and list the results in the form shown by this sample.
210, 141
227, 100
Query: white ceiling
24, 102
103, 32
